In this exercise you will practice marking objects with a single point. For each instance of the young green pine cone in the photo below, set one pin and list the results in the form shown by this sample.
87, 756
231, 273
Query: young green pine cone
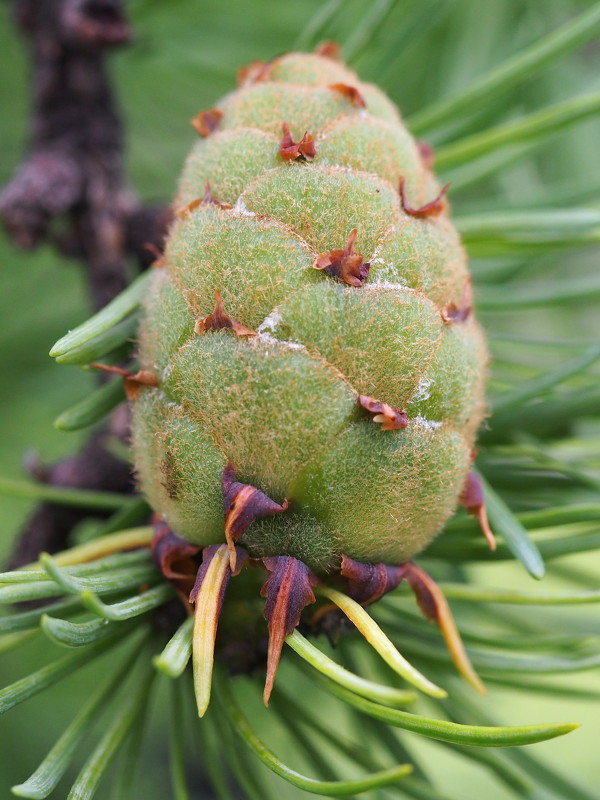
310, 327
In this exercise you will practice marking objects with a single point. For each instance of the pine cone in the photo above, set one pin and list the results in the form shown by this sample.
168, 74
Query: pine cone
310, 326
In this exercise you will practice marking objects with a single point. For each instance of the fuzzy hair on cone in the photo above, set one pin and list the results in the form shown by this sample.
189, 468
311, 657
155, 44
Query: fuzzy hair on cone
310, 326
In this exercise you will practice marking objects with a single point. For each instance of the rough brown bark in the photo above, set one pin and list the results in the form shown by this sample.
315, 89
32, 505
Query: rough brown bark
71, 190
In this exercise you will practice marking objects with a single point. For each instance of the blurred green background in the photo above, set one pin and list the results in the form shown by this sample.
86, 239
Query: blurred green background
185, 55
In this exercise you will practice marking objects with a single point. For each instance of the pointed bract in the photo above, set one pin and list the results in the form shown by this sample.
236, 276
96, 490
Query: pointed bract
242, 504
346, 265
473, 499
219, 320
287, 590
434, 606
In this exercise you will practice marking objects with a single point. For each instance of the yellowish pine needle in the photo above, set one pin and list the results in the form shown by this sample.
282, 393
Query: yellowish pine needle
206, 617
380, 642
102, 546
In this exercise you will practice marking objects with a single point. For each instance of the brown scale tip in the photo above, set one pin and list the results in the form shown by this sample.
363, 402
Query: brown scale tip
351, 93
132, 382
242, 504
254, 72
185, 211
287, 590
207, 122
390, 419
329, 50
473, 499
208, 199
290, 150
460, 313
431, 209
159, 260
219, 320
369, 582
346, 265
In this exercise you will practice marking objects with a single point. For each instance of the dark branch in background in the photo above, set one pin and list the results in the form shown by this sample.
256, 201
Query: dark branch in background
74, 167
70, 190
